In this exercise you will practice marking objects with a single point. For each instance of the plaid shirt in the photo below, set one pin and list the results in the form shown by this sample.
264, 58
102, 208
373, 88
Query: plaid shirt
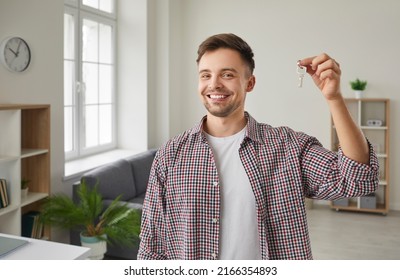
181, 211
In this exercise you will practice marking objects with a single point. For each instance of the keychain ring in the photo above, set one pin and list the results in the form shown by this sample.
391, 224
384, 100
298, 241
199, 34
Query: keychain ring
298, 64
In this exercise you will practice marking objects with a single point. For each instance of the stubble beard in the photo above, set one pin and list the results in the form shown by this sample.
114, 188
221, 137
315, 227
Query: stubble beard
219, 110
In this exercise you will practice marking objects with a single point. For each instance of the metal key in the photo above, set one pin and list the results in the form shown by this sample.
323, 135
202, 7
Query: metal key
301, 71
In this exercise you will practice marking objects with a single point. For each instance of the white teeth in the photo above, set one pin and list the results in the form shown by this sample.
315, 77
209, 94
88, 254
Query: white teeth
217, 96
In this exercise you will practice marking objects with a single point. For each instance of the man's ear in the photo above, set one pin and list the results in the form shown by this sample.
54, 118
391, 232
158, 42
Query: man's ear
251, 83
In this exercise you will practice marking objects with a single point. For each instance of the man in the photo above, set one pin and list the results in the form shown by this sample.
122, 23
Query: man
233, 188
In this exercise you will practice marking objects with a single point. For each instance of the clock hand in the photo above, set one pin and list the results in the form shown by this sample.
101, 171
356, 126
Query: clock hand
19, 45
15, 53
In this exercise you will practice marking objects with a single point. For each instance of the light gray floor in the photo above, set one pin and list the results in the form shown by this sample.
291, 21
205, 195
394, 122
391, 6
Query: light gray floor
349, 235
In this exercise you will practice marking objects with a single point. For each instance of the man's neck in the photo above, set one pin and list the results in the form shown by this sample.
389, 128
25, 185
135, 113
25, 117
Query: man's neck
226, 126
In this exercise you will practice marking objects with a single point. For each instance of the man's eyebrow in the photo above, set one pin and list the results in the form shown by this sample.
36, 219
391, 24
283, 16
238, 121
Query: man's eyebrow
222, 70
204, 71
229, 69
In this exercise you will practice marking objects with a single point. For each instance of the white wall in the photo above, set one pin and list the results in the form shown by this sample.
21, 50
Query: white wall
361, 35
132, 84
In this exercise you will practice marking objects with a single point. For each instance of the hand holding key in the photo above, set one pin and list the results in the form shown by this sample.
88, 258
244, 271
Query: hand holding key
325, 72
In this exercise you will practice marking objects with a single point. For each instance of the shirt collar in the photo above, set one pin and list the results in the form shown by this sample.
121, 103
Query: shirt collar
252, 131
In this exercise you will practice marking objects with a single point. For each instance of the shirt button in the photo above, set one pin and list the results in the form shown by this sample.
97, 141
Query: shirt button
215, 220
215, 184
214, 255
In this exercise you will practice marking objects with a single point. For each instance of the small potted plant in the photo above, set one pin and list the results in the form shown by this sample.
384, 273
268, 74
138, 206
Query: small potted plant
24, 187
358, 86
99, 225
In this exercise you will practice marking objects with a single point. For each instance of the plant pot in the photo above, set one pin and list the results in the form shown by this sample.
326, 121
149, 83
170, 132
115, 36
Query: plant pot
98, 247
24, 192
359, 94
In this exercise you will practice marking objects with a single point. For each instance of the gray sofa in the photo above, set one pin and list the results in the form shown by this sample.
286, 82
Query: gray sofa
127, 177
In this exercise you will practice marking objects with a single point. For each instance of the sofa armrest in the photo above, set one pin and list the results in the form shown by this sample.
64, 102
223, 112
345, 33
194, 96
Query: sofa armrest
74, 191
141, 166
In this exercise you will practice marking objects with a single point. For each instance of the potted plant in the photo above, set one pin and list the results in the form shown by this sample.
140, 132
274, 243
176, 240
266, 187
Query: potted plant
24, 187
117, 223
358, 86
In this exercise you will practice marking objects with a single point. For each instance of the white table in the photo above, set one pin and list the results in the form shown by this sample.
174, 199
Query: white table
37, 249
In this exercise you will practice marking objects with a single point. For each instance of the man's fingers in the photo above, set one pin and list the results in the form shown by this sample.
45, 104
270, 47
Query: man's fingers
320, 63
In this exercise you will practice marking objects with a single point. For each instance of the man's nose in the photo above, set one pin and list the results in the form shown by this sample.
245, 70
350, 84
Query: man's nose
214, 84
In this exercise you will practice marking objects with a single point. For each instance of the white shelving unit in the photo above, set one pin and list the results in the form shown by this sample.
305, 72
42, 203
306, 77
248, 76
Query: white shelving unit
362, 111
24, 153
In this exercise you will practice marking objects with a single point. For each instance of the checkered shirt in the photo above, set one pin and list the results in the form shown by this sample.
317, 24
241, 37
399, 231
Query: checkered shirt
181, 211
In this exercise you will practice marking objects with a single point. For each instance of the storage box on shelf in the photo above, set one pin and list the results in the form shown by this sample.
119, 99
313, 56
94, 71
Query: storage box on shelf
373, 117
24, 153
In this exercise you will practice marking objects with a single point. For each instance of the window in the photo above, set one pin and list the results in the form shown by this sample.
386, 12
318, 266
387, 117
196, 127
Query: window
89, 77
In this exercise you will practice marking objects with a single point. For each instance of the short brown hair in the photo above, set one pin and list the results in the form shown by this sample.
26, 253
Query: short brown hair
228, 41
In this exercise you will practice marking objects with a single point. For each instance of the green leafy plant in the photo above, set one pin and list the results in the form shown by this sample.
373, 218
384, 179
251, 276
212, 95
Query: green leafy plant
119, 223
24, 183
358, 84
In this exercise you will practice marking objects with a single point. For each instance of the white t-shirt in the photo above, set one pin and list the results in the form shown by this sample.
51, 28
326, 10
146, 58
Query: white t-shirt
239, 238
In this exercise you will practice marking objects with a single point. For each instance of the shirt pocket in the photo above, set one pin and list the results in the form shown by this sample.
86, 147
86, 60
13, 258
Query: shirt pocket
284, 193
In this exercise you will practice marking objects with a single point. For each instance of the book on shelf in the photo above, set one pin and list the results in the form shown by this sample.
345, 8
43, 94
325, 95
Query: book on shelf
4, 199
31, 226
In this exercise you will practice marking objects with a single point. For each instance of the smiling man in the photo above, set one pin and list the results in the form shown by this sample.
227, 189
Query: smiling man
224, 81
233, 188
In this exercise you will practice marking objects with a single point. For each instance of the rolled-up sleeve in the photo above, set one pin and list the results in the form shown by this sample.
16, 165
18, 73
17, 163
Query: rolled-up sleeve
358, 171
339, 176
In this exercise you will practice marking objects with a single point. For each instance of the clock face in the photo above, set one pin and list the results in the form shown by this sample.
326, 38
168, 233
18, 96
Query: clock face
15, 54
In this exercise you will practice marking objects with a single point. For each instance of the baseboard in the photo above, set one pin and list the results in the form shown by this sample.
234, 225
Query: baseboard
392, 207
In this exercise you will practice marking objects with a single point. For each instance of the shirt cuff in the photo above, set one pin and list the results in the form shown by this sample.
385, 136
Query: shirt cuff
359, 171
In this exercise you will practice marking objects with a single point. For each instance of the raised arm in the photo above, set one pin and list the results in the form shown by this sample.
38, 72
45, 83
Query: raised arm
325, 72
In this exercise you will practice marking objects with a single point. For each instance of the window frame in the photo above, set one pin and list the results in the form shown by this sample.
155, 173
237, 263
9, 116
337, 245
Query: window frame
75, 102
81, 12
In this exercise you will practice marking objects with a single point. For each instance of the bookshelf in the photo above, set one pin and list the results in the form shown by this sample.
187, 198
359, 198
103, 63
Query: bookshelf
373, 117
24, 153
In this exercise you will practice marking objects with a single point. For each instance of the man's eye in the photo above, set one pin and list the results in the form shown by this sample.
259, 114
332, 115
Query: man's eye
204, 76
227, 75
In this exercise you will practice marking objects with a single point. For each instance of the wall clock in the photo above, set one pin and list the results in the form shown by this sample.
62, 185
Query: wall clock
15, 54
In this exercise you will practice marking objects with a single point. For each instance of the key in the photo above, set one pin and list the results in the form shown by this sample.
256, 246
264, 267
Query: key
301, 71
301, 77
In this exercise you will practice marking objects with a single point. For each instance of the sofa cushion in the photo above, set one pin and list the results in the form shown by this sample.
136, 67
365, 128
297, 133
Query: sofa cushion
114, 179
141, 165
130, 204
138, 199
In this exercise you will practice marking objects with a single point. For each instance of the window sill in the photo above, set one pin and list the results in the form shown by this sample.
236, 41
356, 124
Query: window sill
76, 168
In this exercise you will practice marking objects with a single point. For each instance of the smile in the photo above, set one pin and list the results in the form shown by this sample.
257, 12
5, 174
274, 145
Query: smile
217, 96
